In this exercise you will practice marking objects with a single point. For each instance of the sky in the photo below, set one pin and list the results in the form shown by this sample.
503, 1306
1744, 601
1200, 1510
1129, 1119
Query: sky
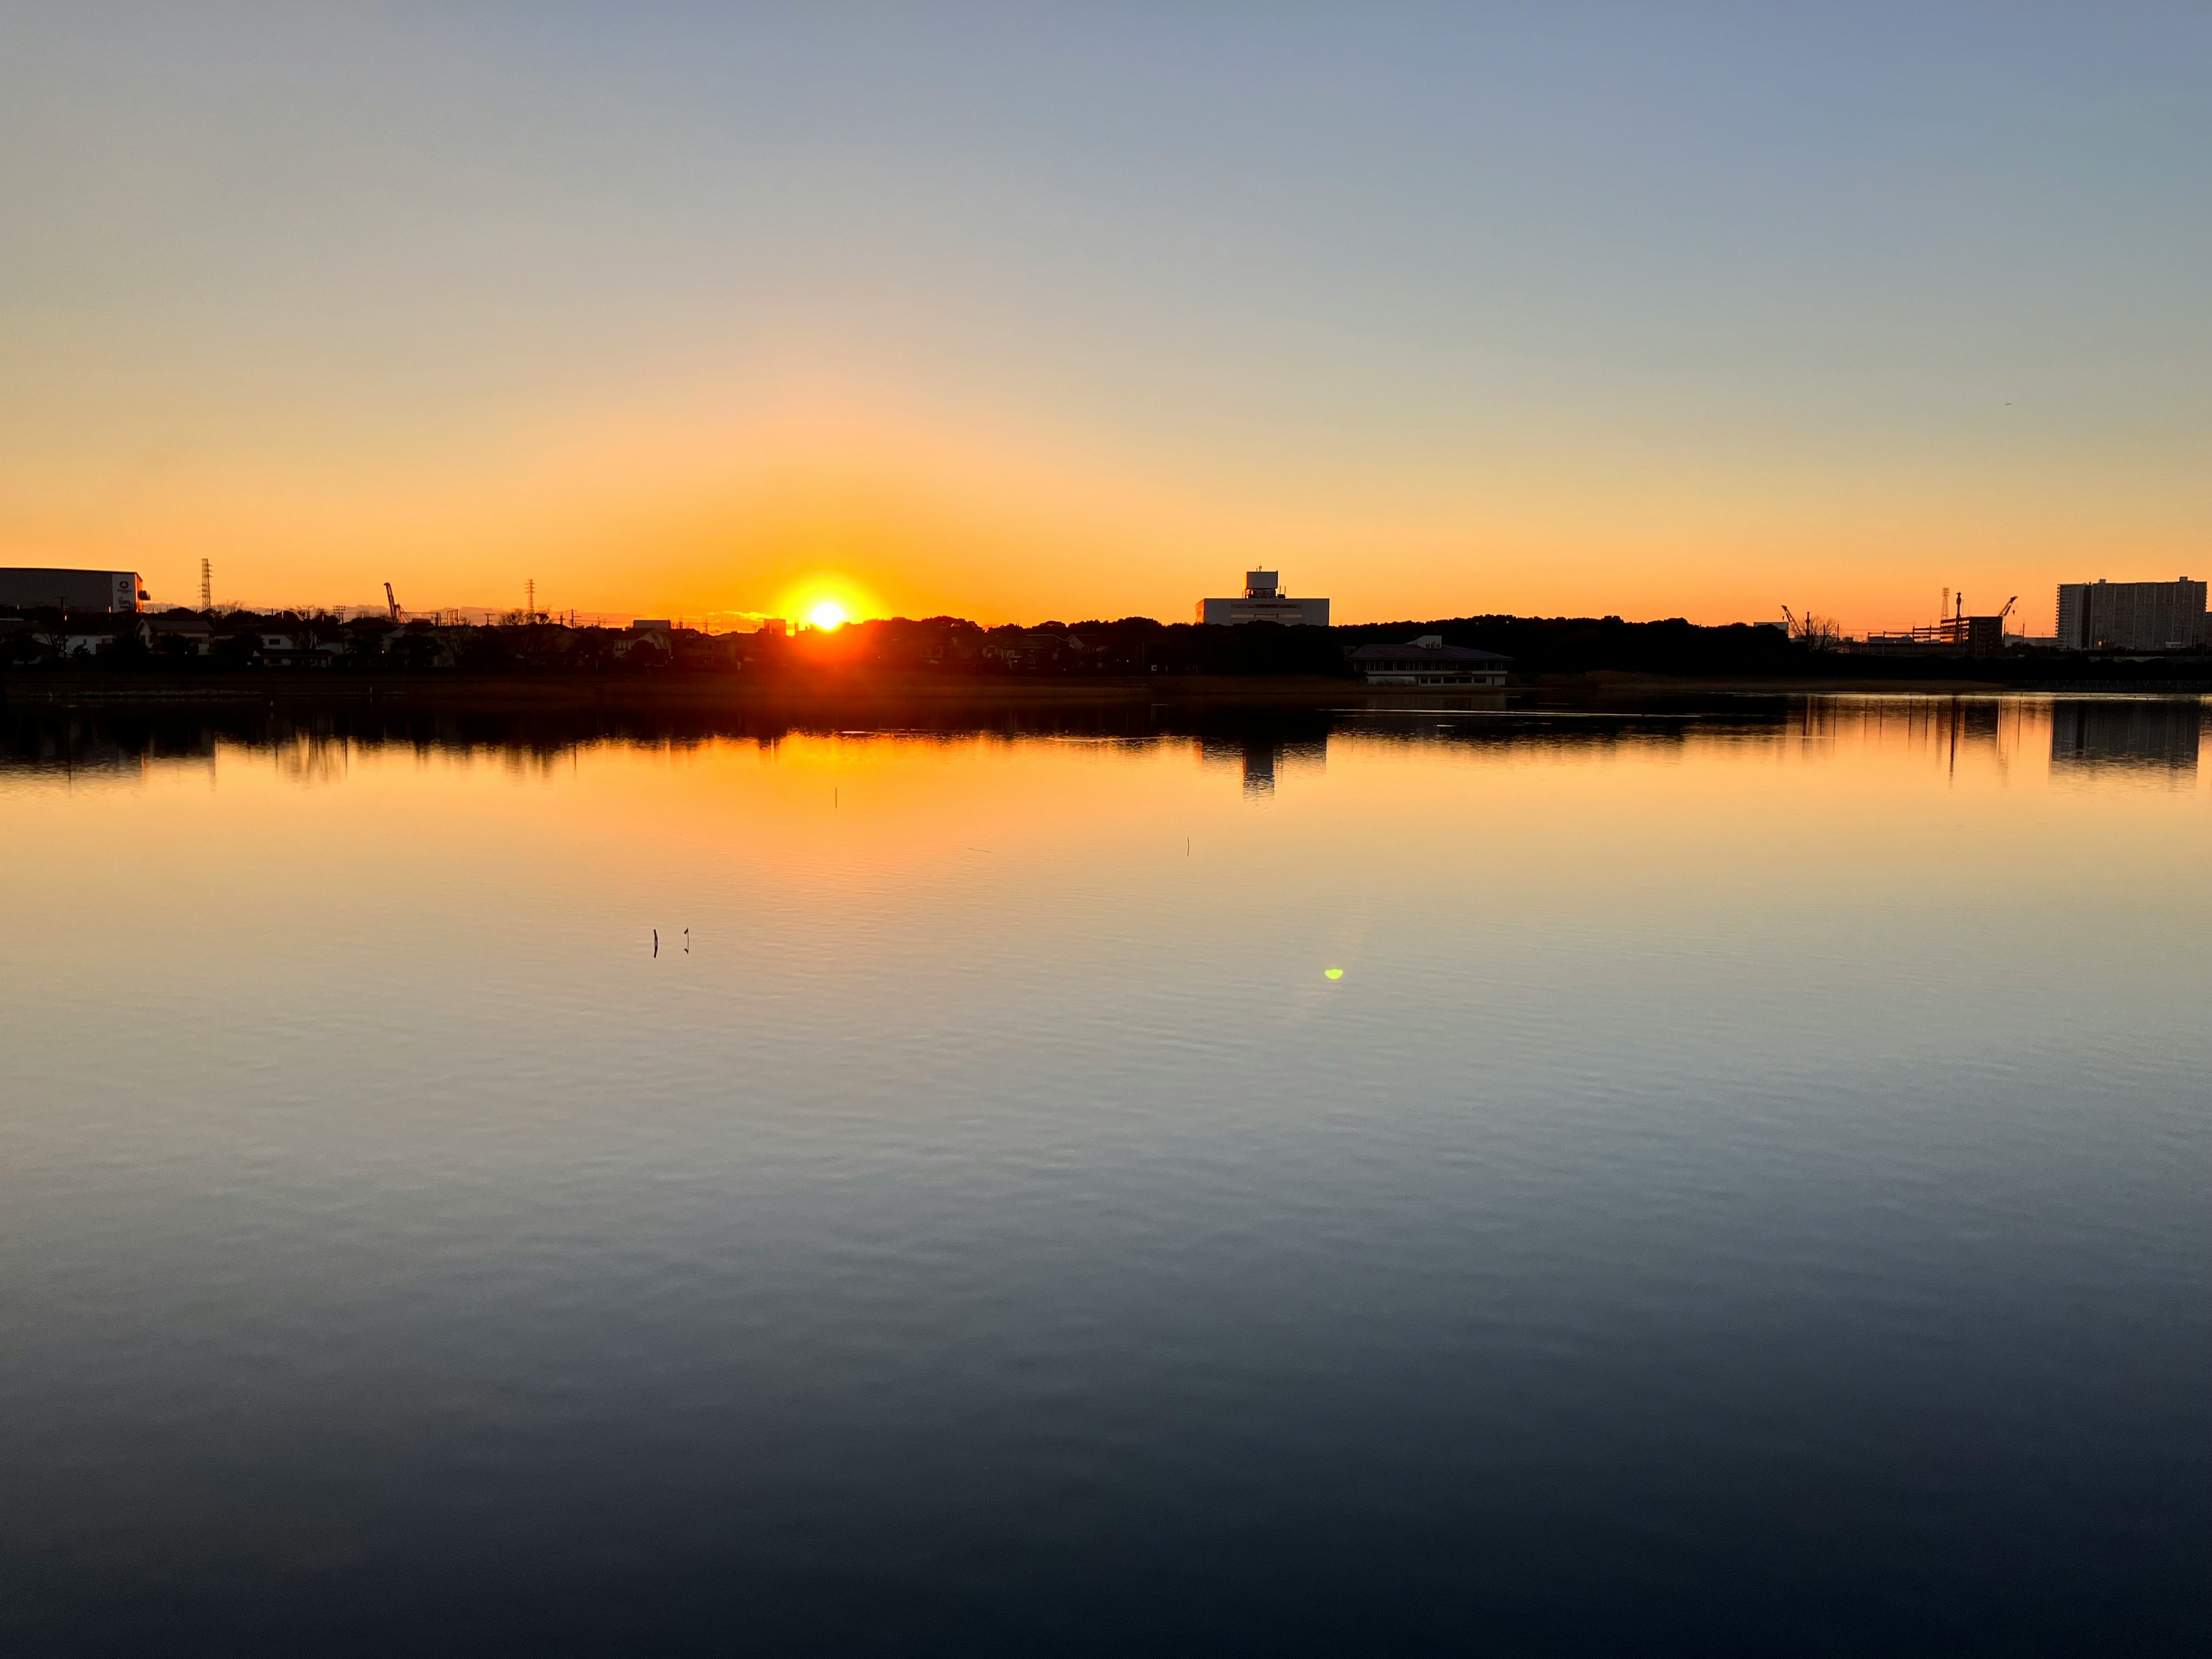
1031, 311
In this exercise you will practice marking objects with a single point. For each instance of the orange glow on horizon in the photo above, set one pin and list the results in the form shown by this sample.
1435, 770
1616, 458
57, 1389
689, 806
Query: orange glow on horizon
826, 600
887, 501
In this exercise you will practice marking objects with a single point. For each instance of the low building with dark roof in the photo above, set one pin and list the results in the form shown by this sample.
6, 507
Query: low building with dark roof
184, 633
1429, 661
89, 635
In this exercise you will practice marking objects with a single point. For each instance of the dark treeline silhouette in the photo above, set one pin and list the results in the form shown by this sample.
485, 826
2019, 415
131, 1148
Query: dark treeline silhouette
1130, 645
1584, 645
173, 644
186, 642
1549, 647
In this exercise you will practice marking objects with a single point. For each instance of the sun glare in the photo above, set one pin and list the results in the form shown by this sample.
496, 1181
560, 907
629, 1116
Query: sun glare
823, 601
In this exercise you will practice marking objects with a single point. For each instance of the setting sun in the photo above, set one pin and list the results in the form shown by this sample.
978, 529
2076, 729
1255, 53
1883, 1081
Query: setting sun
825, 601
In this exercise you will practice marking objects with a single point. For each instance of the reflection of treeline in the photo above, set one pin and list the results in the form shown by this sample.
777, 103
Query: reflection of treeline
41, 737
313, 733
42, 734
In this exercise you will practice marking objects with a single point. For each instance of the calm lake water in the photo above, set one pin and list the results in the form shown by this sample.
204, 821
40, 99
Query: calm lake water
1736, 1178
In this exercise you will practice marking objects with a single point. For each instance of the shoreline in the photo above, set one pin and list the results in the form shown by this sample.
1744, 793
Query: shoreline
894, 690
677, 690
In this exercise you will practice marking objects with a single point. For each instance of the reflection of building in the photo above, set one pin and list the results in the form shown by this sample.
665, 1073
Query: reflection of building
1262, 754
2131, 615
2138, 734
1429, 661
1259, 768
1264, 601
34, 587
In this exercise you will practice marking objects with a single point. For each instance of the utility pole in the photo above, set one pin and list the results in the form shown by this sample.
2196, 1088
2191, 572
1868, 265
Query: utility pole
530, 603
207, 586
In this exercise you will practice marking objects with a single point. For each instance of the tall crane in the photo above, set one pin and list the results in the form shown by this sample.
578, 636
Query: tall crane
391, 603
1814, 630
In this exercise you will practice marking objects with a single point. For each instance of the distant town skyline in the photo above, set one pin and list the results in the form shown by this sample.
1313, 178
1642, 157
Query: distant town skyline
1078, 312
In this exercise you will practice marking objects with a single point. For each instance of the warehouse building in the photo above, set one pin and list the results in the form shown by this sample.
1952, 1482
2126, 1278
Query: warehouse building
34, 587
2131, 615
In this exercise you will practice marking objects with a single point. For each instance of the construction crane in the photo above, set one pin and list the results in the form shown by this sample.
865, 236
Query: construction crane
391, 603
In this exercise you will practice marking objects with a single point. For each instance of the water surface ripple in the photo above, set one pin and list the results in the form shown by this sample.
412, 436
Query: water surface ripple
1746, 1185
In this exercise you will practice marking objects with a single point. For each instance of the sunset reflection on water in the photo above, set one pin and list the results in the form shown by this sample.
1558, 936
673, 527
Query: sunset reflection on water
1417, 1171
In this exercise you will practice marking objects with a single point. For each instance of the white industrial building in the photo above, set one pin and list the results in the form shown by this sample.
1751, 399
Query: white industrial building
1264, 600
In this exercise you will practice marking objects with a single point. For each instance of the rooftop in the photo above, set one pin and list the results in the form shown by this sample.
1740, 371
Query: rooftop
1421, 651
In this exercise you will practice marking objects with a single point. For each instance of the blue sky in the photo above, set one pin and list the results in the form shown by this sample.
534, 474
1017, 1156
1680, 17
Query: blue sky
1041, 310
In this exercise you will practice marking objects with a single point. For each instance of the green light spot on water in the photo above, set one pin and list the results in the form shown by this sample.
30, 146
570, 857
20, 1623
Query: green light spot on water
1333, 973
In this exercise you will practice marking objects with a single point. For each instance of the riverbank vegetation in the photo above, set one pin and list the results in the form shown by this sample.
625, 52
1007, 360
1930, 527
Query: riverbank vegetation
186, 646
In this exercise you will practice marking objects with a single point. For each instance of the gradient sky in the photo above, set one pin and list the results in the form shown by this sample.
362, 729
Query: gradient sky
1041, 311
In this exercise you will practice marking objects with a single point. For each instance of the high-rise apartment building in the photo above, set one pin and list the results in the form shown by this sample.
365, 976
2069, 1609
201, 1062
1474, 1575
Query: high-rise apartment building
2131, 615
